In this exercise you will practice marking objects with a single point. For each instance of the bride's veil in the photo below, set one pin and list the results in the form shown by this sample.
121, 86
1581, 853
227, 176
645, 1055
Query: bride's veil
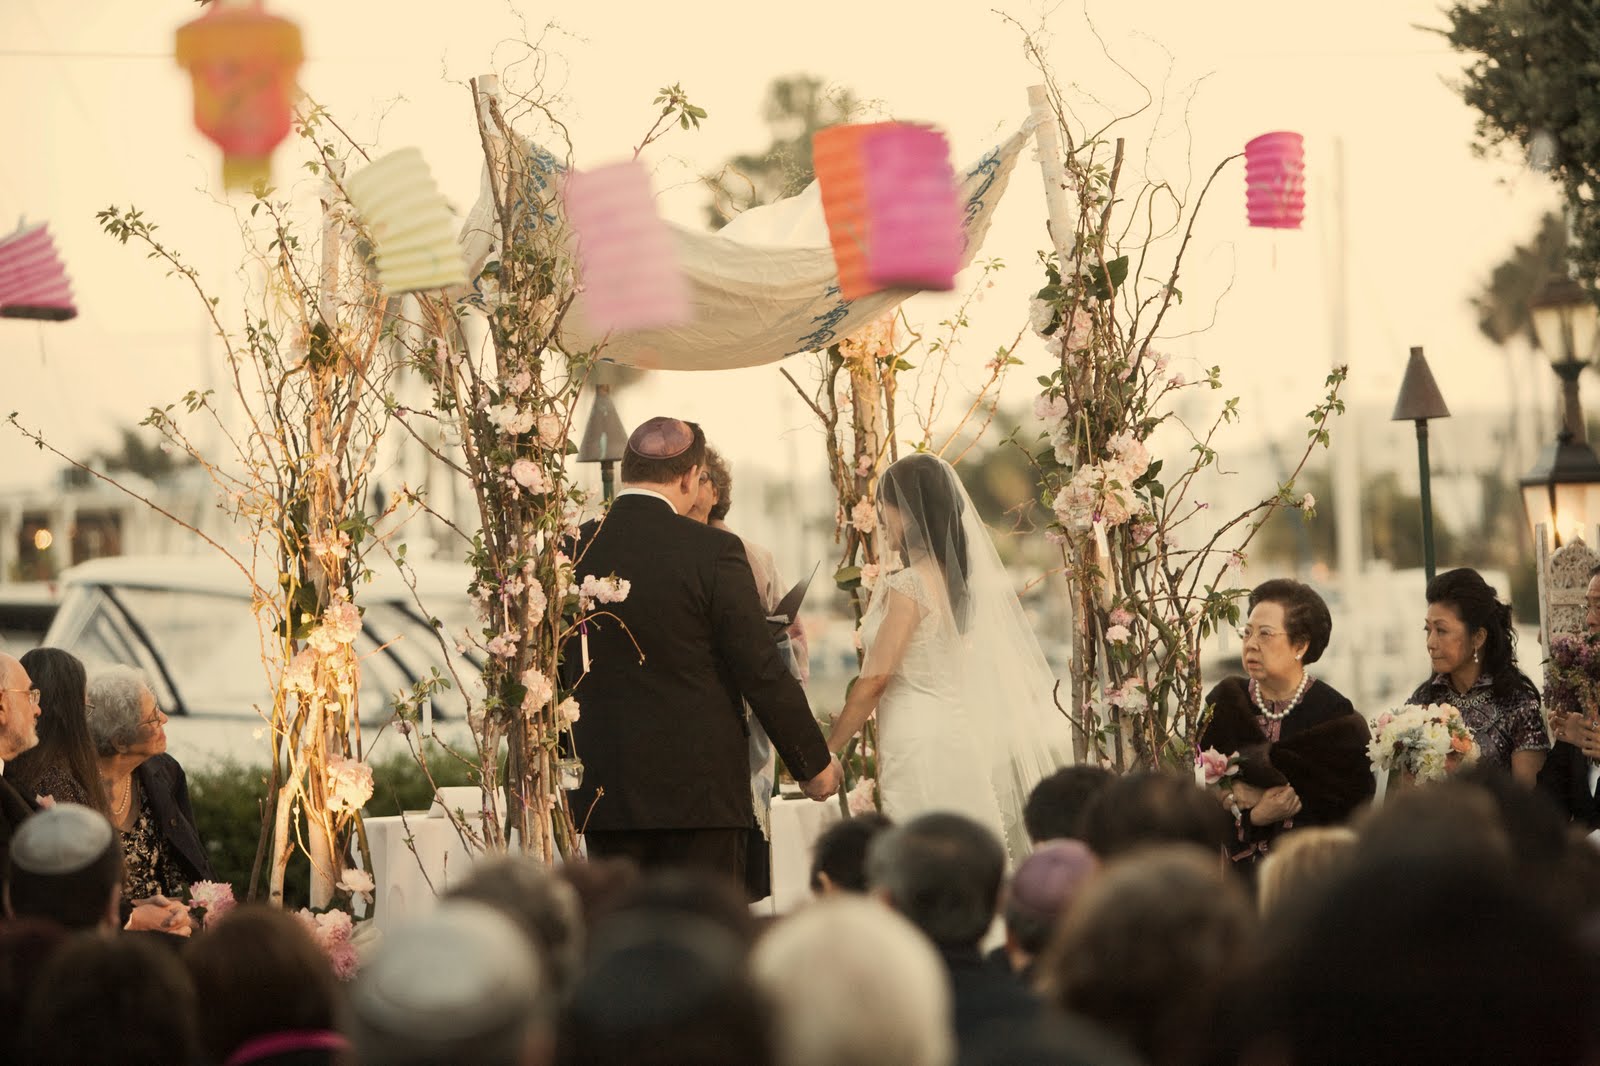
1007, 685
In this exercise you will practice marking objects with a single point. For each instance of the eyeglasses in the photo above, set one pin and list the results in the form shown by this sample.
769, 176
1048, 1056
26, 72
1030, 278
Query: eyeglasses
33, 694
1264, 634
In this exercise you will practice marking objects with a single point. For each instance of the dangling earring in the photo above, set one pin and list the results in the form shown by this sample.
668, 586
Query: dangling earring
1474, 656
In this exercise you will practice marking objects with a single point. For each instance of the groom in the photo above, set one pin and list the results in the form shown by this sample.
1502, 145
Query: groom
662, 738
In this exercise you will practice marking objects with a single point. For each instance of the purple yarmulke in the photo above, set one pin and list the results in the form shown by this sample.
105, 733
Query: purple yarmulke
661, 438
1047, 881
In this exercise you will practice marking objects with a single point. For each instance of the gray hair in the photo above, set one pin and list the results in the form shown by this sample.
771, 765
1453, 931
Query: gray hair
886, 999
115, 713
942, 871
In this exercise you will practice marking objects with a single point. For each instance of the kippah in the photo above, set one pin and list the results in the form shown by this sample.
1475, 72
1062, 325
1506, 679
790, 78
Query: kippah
661, 438
1050, 878
60, 840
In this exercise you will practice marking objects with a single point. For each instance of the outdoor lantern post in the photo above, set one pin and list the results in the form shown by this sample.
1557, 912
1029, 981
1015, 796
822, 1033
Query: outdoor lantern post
1419, 401
1562, 491
604, 437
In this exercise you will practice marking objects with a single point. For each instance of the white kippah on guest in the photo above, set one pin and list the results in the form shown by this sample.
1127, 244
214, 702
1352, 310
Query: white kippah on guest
62, 839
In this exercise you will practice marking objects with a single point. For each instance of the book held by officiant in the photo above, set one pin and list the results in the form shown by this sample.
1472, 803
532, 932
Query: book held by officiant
788, 608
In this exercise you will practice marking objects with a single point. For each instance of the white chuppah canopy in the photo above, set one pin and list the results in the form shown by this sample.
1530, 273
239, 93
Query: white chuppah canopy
762, 288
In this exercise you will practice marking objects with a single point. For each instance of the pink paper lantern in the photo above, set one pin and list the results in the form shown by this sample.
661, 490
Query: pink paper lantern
627, 256
1275, 180
33, 281
914, 213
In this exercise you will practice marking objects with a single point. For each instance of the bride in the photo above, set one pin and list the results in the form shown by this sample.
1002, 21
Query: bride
967, 721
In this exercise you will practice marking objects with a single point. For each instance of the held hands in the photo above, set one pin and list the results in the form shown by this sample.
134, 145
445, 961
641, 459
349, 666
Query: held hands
826, 783
159, 914
1275, 805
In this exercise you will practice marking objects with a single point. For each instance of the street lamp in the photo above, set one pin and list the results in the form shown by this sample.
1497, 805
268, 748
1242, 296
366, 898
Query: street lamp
604, 438
1420, 400
1562, 491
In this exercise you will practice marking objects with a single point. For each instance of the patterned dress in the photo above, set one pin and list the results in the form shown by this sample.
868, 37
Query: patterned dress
148, 865
1501, 727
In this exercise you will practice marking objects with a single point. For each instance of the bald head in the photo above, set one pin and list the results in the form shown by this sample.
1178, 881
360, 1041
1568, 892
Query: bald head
19, 714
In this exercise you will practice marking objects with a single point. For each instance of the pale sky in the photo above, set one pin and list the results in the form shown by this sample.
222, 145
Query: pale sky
98, 114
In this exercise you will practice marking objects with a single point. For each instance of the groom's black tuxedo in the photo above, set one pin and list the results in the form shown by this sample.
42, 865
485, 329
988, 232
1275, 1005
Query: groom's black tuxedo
1565, 776
661, 730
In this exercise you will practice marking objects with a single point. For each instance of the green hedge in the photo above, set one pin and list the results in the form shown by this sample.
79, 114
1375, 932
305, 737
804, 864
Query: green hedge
229, 800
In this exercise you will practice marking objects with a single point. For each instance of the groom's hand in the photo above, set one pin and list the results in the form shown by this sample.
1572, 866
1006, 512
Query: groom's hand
826, 783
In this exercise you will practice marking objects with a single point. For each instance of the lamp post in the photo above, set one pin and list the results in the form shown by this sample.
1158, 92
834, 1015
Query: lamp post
1562, 491
604, 438
1419, 401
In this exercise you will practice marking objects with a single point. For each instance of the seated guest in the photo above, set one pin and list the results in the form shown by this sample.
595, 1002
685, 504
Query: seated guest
1056, 804
149, 795
543, 905
1303, 861
120, 999
19, 719
63, 765
1151, 950
838, 859
270, 995
460, 985
1153, 808
884, 1002
26, 944
943, 872
1041, 891
666, 990
600, 885
690, 893
65, 865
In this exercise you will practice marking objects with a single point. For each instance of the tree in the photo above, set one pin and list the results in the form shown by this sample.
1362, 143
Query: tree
1532, 77
796, 107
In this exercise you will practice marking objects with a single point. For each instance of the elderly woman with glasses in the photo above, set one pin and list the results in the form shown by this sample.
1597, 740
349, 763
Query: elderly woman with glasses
146, 789
1298, 747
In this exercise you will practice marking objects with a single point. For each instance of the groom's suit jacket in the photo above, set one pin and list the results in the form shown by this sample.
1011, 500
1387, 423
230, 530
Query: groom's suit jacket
1565, 776
661, 729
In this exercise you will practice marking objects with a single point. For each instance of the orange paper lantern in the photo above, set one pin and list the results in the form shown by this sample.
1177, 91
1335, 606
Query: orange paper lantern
242, 62
839, 162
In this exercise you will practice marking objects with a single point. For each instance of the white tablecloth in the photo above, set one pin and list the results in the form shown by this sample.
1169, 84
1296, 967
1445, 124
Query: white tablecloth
796, 824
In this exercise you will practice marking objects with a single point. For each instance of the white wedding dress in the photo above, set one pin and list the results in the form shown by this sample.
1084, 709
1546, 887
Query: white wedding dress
932, 755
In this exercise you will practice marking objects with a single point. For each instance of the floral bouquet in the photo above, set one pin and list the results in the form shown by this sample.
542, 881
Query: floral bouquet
1572, 673
1424, 742
1213, 769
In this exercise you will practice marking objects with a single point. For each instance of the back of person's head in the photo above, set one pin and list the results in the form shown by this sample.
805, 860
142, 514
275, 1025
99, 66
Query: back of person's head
119, 999
1302, 860
839, 857
693, 893
1448, 818
1144, 808
65, 865
885, 1000
1149, 949
661, 450
665, 989
1043, 888
543, 905
1426, 959
64, 741
26, 944
458, 985
1055, 807
601, 885
943, 872
262, 974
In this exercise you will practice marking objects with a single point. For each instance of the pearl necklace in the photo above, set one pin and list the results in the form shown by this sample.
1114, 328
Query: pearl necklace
1261, 704
120, 809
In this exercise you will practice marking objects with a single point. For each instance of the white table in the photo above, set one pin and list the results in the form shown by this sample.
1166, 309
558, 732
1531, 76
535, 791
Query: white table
796, 824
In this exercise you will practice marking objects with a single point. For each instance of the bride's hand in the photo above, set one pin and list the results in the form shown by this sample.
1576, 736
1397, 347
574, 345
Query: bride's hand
1247, 795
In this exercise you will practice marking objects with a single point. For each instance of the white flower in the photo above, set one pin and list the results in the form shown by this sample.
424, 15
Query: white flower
1117, 634
860, 797
869, 576
539, 689
864, 516
1308, 503
301, 673
602, 590
342, 621
551, 431
510, 420
530, 476
502, 646
1040, 315
1082, 329
356, 882
520, 382
568, 710
1049, 409
349, 783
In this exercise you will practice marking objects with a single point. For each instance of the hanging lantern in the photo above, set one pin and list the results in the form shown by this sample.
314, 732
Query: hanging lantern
840, 165
242, 62
627, 255
913, 211
33, 281
1275, 180
412, 230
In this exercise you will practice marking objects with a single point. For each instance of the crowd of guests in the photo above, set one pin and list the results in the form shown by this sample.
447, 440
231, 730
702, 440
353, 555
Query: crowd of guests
1277, 918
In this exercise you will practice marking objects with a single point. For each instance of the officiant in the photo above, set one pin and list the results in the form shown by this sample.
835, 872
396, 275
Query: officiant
1301, 745
711, 506
662, 676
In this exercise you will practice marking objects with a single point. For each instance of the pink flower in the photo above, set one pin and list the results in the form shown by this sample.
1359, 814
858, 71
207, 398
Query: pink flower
520, 382
332, 931
528, 474
863, 465
1117, 634
1215, 765
602, 590
349, 783
869, 576
539, 689
864, 516
342, 621
551, 431
861, 797
1308, 503
301, 673
1078, 335
44, 801
1050, 409
502, 646
214, 897
1121, 617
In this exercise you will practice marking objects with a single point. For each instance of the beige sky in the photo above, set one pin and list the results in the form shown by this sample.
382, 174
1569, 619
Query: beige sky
95, 115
